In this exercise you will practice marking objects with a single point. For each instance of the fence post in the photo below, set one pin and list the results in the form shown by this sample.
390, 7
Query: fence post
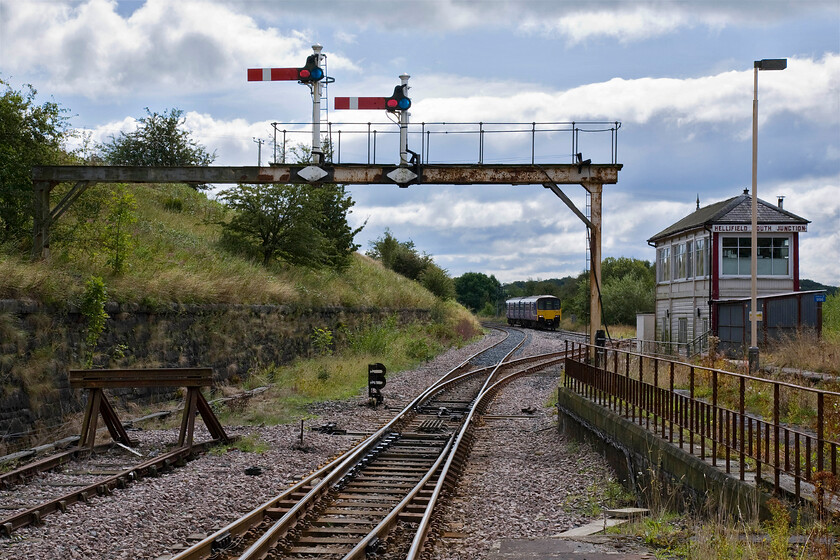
693, 414
776, 400
714, 416
742, 414
820, 430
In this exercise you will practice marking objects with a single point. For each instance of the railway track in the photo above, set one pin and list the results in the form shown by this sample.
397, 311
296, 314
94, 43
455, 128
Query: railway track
378, 498
29, 500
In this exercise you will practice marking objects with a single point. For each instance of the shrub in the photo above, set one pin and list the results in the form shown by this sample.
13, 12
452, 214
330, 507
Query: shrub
93, 309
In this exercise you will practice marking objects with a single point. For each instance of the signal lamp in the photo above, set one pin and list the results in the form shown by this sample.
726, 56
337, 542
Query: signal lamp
311, 72
398, 101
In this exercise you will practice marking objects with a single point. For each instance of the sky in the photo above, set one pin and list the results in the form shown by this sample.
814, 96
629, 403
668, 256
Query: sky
677, 75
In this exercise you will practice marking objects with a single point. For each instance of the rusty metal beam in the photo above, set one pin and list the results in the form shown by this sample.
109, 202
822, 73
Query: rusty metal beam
467, 174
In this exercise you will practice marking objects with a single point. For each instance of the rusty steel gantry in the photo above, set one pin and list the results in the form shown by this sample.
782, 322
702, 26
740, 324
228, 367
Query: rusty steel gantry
591, 176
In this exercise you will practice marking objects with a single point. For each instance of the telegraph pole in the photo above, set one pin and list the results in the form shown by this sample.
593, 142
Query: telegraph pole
259, 143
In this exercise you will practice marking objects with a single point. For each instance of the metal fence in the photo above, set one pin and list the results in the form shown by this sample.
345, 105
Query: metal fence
458, 142
772, 426
688, 349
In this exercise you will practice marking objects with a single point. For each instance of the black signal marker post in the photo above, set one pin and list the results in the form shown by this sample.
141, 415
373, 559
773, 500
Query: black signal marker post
311, 74
376, 381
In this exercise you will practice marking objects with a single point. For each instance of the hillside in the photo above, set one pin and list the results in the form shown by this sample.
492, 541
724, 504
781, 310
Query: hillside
184, 300
175, 255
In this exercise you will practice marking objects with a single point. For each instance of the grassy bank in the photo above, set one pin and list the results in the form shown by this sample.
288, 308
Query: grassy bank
339, 371
174, 254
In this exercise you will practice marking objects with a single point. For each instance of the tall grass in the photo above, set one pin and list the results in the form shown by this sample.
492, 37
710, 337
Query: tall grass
177, 257
342, 373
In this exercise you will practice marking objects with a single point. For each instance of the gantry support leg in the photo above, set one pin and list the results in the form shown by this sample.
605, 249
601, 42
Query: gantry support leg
210, 420
595, 191
42, 220
185, 438
197, 404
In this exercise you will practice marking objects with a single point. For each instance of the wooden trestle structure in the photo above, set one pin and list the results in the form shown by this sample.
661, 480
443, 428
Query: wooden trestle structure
95, 380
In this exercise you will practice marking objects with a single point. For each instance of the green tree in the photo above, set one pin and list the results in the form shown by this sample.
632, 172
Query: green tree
627, 288
437, 280
279, 219
403, 258
117, 240
400, 256
30, 134
93, 309
475, 290
334, 205
301, 224
159, 140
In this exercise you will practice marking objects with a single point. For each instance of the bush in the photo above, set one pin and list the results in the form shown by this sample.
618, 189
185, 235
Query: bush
93, 309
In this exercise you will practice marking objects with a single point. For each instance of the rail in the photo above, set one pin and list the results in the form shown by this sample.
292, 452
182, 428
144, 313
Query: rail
531, 143
314, 484
772, 425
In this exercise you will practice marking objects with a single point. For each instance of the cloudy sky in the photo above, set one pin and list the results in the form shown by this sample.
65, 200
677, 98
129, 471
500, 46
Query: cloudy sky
676, 74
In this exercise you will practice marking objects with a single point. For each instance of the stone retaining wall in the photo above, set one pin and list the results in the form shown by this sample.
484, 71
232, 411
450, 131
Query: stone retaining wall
39, 344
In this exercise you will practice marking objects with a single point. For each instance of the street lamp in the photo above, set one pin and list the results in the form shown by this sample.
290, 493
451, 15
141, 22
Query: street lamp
765, 64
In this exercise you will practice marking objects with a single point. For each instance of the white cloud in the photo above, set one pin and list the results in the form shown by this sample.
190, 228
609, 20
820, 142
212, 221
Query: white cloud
573, 20
89, 49
625, 24
709, 99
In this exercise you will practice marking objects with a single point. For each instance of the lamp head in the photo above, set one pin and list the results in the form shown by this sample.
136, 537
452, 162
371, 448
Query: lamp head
771, 64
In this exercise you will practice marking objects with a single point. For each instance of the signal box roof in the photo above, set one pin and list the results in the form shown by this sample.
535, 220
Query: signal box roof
735, 210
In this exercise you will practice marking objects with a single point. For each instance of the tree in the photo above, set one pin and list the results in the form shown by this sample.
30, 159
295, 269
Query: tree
403, 258
627, 288
437, 280
301, 224
400, 256
475, 290
159, 140
117, 240
334, 204
279, 219
30, 134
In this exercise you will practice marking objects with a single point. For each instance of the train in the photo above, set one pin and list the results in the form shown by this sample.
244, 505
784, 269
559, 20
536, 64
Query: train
540, 312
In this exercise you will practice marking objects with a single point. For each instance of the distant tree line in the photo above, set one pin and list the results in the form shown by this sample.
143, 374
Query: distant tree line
627, 288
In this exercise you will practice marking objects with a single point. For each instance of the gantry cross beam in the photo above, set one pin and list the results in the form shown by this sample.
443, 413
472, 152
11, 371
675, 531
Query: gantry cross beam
591, 176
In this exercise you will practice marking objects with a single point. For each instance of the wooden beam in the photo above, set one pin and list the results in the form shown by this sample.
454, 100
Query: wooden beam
129, 378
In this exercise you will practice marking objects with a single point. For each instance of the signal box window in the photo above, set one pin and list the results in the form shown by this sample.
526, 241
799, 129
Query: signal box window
773, 257
664, 264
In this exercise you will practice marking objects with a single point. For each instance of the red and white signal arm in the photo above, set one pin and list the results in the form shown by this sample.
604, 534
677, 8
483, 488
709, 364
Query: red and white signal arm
272, 74
361, 103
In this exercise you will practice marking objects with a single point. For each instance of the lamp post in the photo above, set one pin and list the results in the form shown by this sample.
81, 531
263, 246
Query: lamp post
765, 64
